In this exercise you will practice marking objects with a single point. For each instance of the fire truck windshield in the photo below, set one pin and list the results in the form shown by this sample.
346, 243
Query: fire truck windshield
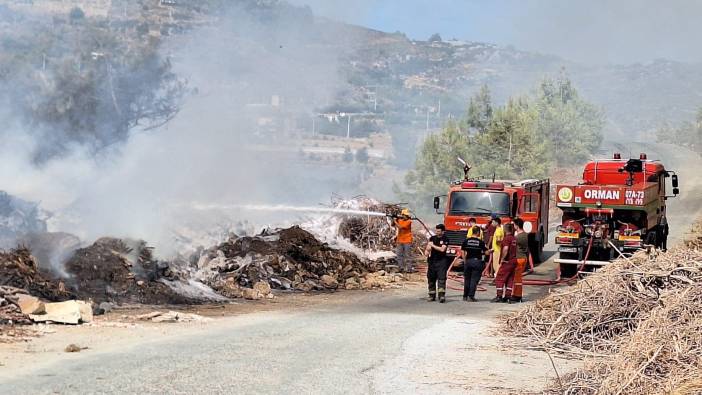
479, 202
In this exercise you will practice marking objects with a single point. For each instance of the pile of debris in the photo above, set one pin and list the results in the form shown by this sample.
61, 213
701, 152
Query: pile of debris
122, 271
19, 269
638, 320
286, 259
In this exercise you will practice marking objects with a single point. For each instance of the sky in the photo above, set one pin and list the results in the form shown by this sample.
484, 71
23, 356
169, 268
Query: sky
586, 31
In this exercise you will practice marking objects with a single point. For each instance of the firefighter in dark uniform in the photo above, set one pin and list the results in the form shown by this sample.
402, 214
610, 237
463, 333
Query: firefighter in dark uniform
436, 272
473, 250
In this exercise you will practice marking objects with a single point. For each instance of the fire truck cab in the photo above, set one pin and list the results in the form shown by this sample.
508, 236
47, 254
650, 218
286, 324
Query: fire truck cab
480, 199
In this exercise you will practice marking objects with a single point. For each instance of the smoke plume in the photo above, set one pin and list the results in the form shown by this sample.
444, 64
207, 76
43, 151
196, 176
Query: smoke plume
257, 76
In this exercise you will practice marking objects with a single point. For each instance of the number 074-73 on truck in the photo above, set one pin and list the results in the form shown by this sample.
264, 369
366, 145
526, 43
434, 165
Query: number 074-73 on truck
619, 207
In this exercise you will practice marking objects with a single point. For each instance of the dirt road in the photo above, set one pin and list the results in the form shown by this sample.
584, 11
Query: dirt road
350, 342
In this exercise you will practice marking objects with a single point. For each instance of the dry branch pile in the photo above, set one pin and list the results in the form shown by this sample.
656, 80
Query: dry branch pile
368, 232
638, 322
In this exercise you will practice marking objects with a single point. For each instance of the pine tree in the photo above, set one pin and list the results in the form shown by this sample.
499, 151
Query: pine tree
479, 111
525, 138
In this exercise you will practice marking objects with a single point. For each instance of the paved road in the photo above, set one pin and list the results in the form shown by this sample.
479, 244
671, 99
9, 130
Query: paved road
365, 343
382, 342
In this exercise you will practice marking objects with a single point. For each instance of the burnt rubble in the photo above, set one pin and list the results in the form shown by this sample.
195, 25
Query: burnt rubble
119, 271
286, 259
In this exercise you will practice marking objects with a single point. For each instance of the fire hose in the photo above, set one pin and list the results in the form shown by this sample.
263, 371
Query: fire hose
563, 280
534, 282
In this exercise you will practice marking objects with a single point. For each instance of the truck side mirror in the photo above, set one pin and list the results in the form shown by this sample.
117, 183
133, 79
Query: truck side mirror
437, 202
676, 191
674, 181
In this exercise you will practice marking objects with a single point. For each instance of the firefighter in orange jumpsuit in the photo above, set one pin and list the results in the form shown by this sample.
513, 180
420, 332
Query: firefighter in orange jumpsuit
522, 258
504, 279
403, 237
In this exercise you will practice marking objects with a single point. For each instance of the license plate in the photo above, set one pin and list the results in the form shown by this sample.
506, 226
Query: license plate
567, 249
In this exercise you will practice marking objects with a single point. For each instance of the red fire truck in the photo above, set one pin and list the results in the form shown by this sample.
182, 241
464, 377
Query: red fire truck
480, 199
618, 208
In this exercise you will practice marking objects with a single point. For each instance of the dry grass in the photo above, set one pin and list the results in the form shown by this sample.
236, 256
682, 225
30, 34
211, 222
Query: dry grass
637, 324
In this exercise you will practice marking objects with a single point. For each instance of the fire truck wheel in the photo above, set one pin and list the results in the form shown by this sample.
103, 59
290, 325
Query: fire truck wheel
568, 271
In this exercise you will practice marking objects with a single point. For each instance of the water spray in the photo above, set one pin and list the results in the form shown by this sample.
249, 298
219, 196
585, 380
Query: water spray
304, 209
287, 208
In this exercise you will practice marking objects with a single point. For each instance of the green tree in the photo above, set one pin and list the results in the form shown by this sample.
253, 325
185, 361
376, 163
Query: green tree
85, 84
436, 166
572, 125
513, 146
362, 155
525, 138
479, 113
688, 134
435, 38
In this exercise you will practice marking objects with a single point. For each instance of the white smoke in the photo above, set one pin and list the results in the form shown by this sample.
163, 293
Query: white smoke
243, 69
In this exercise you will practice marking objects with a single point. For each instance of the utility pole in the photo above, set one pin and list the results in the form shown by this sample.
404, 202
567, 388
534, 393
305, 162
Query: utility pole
314, 125
427, 121
348, 126
439, 115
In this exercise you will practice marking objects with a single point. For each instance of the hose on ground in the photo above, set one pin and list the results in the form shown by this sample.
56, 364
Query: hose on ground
534, 282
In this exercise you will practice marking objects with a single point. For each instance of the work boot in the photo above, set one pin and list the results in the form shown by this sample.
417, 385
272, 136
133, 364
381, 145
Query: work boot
497, 299
442, 297
431, 298
465, 298
472, 299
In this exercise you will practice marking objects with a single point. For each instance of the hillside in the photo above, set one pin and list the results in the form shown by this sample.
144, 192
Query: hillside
386, 80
